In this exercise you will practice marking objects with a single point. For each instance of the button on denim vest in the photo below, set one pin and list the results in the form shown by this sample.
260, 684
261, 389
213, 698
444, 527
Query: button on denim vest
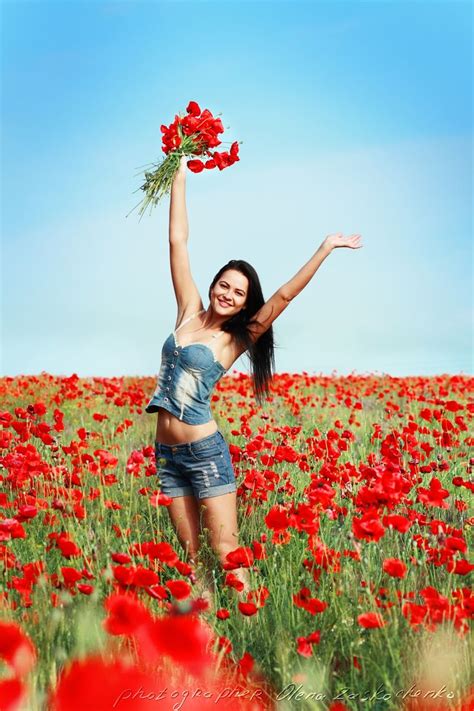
186, 379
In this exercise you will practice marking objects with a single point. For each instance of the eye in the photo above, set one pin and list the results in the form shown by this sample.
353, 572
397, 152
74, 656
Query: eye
238, 292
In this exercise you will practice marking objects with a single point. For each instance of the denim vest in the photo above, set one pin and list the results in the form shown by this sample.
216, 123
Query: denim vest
186, 379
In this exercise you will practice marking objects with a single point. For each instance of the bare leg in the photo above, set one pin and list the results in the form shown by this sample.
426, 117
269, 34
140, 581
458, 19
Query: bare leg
184, 515
220, 518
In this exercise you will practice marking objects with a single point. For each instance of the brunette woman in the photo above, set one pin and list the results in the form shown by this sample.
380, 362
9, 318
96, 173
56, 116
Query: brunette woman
193, 459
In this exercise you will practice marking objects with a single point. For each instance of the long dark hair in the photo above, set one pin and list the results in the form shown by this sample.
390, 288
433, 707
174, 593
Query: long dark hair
261, 353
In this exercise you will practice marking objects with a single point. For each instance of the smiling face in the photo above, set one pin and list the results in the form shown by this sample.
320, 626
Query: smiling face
229, 294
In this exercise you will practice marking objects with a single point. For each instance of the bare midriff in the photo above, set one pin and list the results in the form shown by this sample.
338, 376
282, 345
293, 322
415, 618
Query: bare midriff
172, 430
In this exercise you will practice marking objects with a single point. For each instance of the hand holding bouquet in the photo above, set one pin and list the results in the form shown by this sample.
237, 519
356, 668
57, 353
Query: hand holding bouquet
183, 166
193, 134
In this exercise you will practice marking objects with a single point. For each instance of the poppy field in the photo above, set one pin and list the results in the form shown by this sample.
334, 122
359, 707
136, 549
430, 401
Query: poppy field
353, 499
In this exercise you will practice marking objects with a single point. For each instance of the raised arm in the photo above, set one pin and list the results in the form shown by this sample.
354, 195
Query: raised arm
186, 291
293, 287
272, 308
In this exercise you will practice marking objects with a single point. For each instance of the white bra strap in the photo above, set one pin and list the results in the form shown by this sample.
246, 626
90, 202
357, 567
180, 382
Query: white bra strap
187, 320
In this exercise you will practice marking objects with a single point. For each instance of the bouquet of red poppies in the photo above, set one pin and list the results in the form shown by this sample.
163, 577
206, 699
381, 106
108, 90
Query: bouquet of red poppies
192, 134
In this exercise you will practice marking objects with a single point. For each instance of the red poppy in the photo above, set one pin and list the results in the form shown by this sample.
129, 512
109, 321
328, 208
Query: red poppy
161, 499
435, 495
459, 567
277, 518
157, 592
121, 558
12, 694
143, 577
195, 166
246, 664
394, 567
247, 608
371, 619
369, 527
304, 647
242, 556
179, 589
70, 575
399, 523
222, 614
193, 108
234, 582
16, 648
85, 589
184, 638
67, 547
126, 614
93, 683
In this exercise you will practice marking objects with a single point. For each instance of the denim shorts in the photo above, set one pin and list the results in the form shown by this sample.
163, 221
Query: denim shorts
201, 468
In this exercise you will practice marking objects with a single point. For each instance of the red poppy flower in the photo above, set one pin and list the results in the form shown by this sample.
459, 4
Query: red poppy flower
70, 575
304, 647
394, 567
157, 592
121, 558
371, 619
68, 548
399, 523
126, 614
459, 567
85, 589
193, 108
183, 638
368, 527
435, 495
234, 582
179, 589
246, 664
12, 694
277, 518
242, 556
247, 608
195, 166
16, 648
93, 683
143, 577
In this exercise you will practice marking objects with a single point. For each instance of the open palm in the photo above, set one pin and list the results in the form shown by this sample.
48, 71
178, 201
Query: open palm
338, 240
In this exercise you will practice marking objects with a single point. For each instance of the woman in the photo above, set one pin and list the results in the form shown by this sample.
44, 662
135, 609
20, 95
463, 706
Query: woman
193, 459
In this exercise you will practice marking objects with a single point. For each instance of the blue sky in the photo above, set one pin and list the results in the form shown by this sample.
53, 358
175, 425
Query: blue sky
354, 117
